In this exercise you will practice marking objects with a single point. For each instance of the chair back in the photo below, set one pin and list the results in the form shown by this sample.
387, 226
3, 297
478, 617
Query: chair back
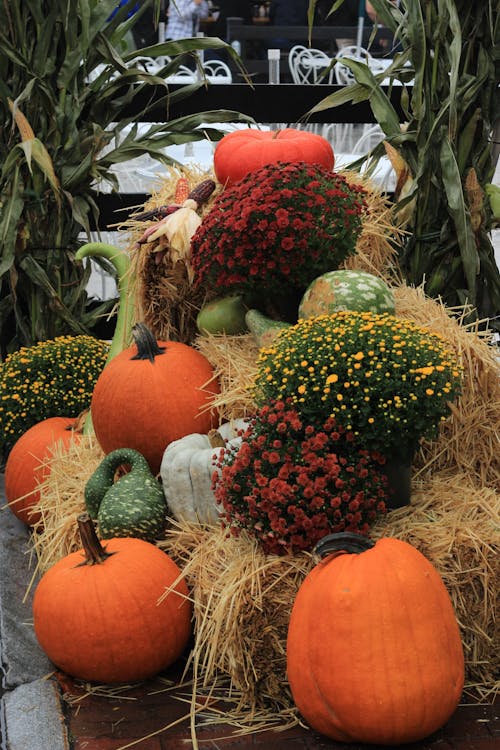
343, 74
310, 65
217, 71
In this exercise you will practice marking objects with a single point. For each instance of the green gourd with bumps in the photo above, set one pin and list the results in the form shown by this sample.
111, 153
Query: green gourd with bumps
133, 505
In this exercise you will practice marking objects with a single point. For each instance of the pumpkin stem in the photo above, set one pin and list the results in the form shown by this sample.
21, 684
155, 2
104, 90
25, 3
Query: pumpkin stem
94, 551
344, 541
276, 134
147, 346
215, 439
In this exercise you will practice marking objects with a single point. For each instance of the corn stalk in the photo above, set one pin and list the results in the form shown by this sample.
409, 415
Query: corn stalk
67, 77
443, 155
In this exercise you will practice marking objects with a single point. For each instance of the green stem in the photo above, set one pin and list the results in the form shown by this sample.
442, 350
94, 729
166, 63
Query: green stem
126, 311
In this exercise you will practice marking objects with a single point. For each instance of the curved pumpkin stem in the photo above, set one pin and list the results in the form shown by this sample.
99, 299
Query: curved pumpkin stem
147, 346
125, 317
344, 541
95, 553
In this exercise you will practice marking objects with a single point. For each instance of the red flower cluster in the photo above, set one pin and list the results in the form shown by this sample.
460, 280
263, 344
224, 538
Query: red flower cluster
282, 225
290, 484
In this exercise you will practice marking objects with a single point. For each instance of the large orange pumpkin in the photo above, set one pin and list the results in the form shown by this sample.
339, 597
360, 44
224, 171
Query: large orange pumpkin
244, 151
374, 653
109, 614
26, 467
151, 394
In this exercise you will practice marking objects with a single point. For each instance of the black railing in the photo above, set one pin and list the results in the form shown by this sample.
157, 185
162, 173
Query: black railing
255, 38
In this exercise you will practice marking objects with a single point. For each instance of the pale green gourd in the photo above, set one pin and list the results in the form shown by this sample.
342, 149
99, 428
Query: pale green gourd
132, 506
263, 328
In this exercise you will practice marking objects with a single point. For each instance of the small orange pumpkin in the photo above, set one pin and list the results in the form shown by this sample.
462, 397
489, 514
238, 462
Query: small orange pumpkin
112, 614
151, 394
374, 653
242, 151
26, 466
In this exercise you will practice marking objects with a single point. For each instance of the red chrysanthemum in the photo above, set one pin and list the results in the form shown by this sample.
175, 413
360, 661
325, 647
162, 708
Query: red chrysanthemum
281, 226
290, 484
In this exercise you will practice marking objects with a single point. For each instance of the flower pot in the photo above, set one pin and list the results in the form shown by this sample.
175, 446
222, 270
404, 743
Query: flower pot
399, 482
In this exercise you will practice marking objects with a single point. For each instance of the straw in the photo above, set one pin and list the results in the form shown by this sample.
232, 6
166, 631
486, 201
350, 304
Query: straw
55, 535
469, 441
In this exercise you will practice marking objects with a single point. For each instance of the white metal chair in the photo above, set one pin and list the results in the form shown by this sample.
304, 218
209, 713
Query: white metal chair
343, 74
292, 57
183, 74
217, 71
310, 65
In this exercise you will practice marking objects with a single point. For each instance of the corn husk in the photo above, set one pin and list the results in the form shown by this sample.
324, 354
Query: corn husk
165, 297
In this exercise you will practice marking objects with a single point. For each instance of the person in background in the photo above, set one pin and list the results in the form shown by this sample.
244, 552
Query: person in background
184, 18
287, 13
346, 15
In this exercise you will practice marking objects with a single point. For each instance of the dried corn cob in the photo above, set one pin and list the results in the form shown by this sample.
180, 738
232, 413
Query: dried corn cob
202, 192
181, 190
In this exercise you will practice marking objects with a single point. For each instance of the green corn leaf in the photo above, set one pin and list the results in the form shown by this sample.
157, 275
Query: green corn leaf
456, 204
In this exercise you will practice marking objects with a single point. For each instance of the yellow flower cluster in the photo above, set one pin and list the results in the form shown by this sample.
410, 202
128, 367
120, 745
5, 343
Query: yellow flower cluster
50, 379
385, 379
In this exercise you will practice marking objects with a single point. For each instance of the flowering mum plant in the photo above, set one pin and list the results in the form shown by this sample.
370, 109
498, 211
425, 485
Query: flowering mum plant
290, 483
53, 378
280, 227
385, 379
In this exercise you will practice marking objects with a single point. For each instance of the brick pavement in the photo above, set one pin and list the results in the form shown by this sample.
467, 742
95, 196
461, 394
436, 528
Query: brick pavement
155, 716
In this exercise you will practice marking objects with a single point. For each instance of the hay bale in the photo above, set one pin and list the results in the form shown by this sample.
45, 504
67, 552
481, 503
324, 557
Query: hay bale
61, 501
243, 598
377, 245
469, 441
234, 359
242, 603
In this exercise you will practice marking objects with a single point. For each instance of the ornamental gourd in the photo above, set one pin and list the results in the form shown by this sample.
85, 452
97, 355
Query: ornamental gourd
374, 653
133, 505
244, 151
112, 614
187, 469
346, 289
150, 394
28, 465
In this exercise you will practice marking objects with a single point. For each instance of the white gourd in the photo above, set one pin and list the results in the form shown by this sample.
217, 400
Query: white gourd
186, 472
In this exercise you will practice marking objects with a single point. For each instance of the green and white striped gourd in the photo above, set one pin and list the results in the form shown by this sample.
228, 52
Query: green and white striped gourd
358, 291
132, 506
187, 468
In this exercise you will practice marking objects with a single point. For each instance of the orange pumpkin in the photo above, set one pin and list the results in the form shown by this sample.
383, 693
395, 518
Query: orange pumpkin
374, 653
242, 151
109, 614
26, 466
151, 394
